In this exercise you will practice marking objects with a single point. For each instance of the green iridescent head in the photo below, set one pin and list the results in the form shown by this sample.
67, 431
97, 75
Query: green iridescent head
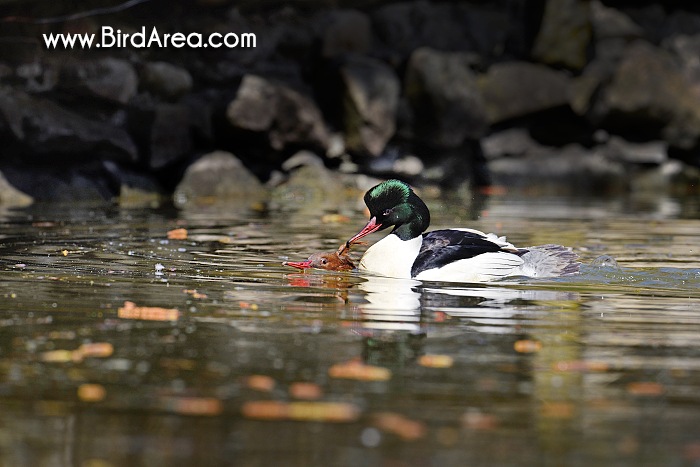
393, 203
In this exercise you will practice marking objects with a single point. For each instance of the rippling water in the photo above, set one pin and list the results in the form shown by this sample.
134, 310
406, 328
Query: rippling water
120, 346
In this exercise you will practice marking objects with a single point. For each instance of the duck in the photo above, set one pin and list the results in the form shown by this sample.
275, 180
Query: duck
329, 260
452, 255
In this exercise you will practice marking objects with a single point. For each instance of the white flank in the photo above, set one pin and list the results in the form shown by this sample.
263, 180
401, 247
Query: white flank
482, 268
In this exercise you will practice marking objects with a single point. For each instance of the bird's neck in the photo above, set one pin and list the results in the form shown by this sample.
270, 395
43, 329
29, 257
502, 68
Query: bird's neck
419, 221
408, 231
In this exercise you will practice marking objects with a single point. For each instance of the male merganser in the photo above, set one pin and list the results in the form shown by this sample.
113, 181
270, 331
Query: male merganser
455, 255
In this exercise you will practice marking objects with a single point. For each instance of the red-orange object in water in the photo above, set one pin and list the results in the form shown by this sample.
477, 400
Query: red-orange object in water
338, 260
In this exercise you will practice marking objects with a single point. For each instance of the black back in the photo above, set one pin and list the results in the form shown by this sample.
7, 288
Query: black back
441, 247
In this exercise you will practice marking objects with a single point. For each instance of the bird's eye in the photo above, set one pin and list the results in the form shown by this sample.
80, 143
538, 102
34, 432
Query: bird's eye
324, 261
386, 212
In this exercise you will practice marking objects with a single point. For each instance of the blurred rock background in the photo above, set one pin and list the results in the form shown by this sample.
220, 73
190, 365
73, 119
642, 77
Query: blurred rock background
562, 96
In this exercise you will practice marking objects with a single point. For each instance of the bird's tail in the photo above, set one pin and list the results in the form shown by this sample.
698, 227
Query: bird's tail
549, 261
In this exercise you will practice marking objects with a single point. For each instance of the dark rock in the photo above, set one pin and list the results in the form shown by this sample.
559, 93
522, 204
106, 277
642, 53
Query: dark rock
517, 89
612, 31
584, 88
43, 127
450, 26
659, 22
645, 85
344, 31
444, 99
682, 22
687, 51
164, 131
570, 169
166, 80
610, 23
6, 71
394, 163
309, 186
111, 79
456, 167
647, 153
648, 95
170, 138
513, 142
200, 108
39, 76
651, 17
302, 159
255, 105
284, 114
565, 34
218, 177
371, 99
86, 182
135, 189
293, 32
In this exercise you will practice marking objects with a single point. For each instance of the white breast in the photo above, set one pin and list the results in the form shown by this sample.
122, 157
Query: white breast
391, 256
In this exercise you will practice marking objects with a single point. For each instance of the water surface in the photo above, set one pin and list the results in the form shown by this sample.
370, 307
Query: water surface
122, 347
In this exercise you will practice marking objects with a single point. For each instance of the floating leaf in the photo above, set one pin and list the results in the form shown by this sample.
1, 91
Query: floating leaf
400, 425
436, 361
148, 313
177, 234
645, 388
260, 383
357, 370
96, 349
91, 392
527, 346
192, 405
308, 391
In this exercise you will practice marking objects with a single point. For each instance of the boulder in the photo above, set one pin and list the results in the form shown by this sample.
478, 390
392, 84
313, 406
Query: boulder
612, 31
512, 142
309, 187
649, 93
565, 34
570, 169
610, 23
166, 80
647, 153
371, 97
65, 183
517, 89
284, 114
44, 127
39, 76
218, 177
686, 49
645, 85
444, 99
111, 79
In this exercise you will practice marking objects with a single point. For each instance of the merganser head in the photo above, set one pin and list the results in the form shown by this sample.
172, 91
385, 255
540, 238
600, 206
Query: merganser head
330, 261
393, 203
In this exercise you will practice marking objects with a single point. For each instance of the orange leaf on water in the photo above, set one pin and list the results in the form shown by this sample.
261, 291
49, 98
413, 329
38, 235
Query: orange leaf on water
148, 313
